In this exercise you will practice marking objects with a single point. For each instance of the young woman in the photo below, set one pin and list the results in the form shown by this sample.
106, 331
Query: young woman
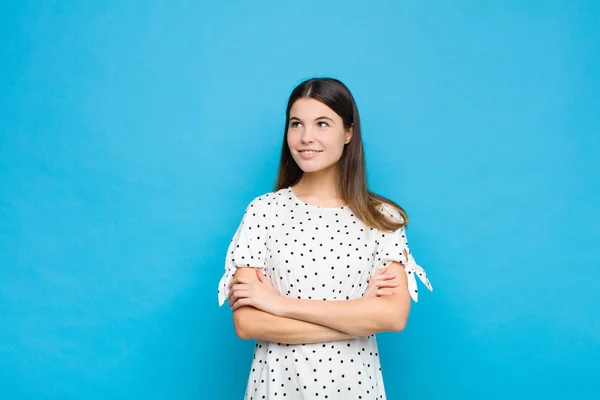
320, 265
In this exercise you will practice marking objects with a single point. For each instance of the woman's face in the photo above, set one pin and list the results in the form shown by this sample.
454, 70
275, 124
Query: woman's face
314, 126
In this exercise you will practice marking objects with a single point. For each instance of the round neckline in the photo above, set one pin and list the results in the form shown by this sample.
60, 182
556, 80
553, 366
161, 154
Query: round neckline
298, 201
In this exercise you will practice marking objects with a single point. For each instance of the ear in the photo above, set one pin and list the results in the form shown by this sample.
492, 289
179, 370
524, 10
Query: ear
349, 133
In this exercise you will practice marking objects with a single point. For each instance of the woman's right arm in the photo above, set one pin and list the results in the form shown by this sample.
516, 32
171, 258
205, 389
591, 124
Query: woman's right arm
251, 323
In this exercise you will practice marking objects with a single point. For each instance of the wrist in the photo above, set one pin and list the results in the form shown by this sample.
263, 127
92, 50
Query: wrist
284, 306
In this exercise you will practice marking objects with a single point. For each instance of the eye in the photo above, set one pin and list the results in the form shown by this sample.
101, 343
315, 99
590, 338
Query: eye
294, 124
322, 124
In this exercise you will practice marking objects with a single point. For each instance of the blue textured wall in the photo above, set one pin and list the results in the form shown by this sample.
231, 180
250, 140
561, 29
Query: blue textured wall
133, 134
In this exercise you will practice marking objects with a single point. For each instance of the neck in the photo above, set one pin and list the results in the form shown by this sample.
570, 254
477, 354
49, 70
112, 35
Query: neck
321, 184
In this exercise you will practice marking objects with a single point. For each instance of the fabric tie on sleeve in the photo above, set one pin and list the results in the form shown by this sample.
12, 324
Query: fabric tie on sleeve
411, 268
224, 283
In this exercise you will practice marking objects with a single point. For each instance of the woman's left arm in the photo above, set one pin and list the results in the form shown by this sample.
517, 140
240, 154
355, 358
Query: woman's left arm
357, 317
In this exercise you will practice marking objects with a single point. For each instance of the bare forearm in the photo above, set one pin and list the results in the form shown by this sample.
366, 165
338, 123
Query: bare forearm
359, 317
251, 323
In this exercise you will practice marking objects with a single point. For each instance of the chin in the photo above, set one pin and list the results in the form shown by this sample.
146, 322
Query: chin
311, 168
308, 166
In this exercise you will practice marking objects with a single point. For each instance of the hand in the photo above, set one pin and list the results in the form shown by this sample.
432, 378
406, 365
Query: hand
259, 294
378, 283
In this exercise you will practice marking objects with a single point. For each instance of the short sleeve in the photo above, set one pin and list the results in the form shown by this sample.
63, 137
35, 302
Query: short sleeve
393, 246
248, 247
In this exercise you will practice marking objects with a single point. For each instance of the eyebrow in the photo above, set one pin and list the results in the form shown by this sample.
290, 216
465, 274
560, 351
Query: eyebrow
323, 117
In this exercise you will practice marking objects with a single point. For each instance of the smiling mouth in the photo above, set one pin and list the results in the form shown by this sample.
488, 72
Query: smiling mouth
309, 151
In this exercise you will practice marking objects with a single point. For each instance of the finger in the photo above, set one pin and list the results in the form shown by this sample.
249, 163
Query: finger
383, 278
234, 281
232, 298
387, 284
239, 279
240, 303
383, 292
260, 275
238, 294
240, 286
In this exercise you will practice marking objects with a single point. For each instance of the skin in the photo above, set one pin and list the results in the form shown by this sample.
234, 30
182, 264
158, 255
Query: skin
254, 323
313, 125
260, 312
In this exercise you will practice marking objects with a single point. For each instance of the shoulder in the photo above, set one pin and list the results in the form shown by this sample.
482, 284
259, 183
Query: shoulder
263, 203
264, 198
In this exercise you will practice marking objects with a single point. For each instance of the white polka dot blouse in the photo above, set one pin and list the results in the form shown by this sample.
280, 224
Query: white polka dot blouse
312, 252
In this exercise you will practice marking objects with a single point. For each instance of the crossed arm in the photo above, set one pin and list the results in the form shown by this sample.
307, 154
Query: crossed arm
252, 323
261, 313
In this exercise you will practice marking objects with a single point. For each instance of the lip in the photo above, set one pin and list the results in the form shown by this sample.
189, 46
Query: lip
308, 156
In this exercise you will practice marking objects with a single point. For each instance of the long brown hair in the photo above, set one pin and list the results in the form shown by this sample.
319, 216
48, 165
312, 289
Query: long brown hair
352, 178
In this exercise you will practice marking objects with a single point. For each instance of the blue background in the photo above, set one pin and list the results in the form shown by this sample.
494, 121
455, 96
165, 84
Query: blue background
133, 135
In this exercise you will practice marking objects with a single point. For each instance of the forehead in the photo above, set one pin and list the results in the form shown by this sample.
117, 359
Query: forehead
310, 108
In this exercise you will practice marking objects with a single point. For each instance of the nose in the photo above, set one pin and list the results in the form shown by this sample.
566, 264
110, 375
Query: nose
308, 135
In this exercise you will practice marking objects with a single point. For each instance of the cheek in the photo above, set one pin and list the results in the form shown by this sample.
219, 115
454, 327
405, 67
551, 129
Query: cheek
333, 142
290, 139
